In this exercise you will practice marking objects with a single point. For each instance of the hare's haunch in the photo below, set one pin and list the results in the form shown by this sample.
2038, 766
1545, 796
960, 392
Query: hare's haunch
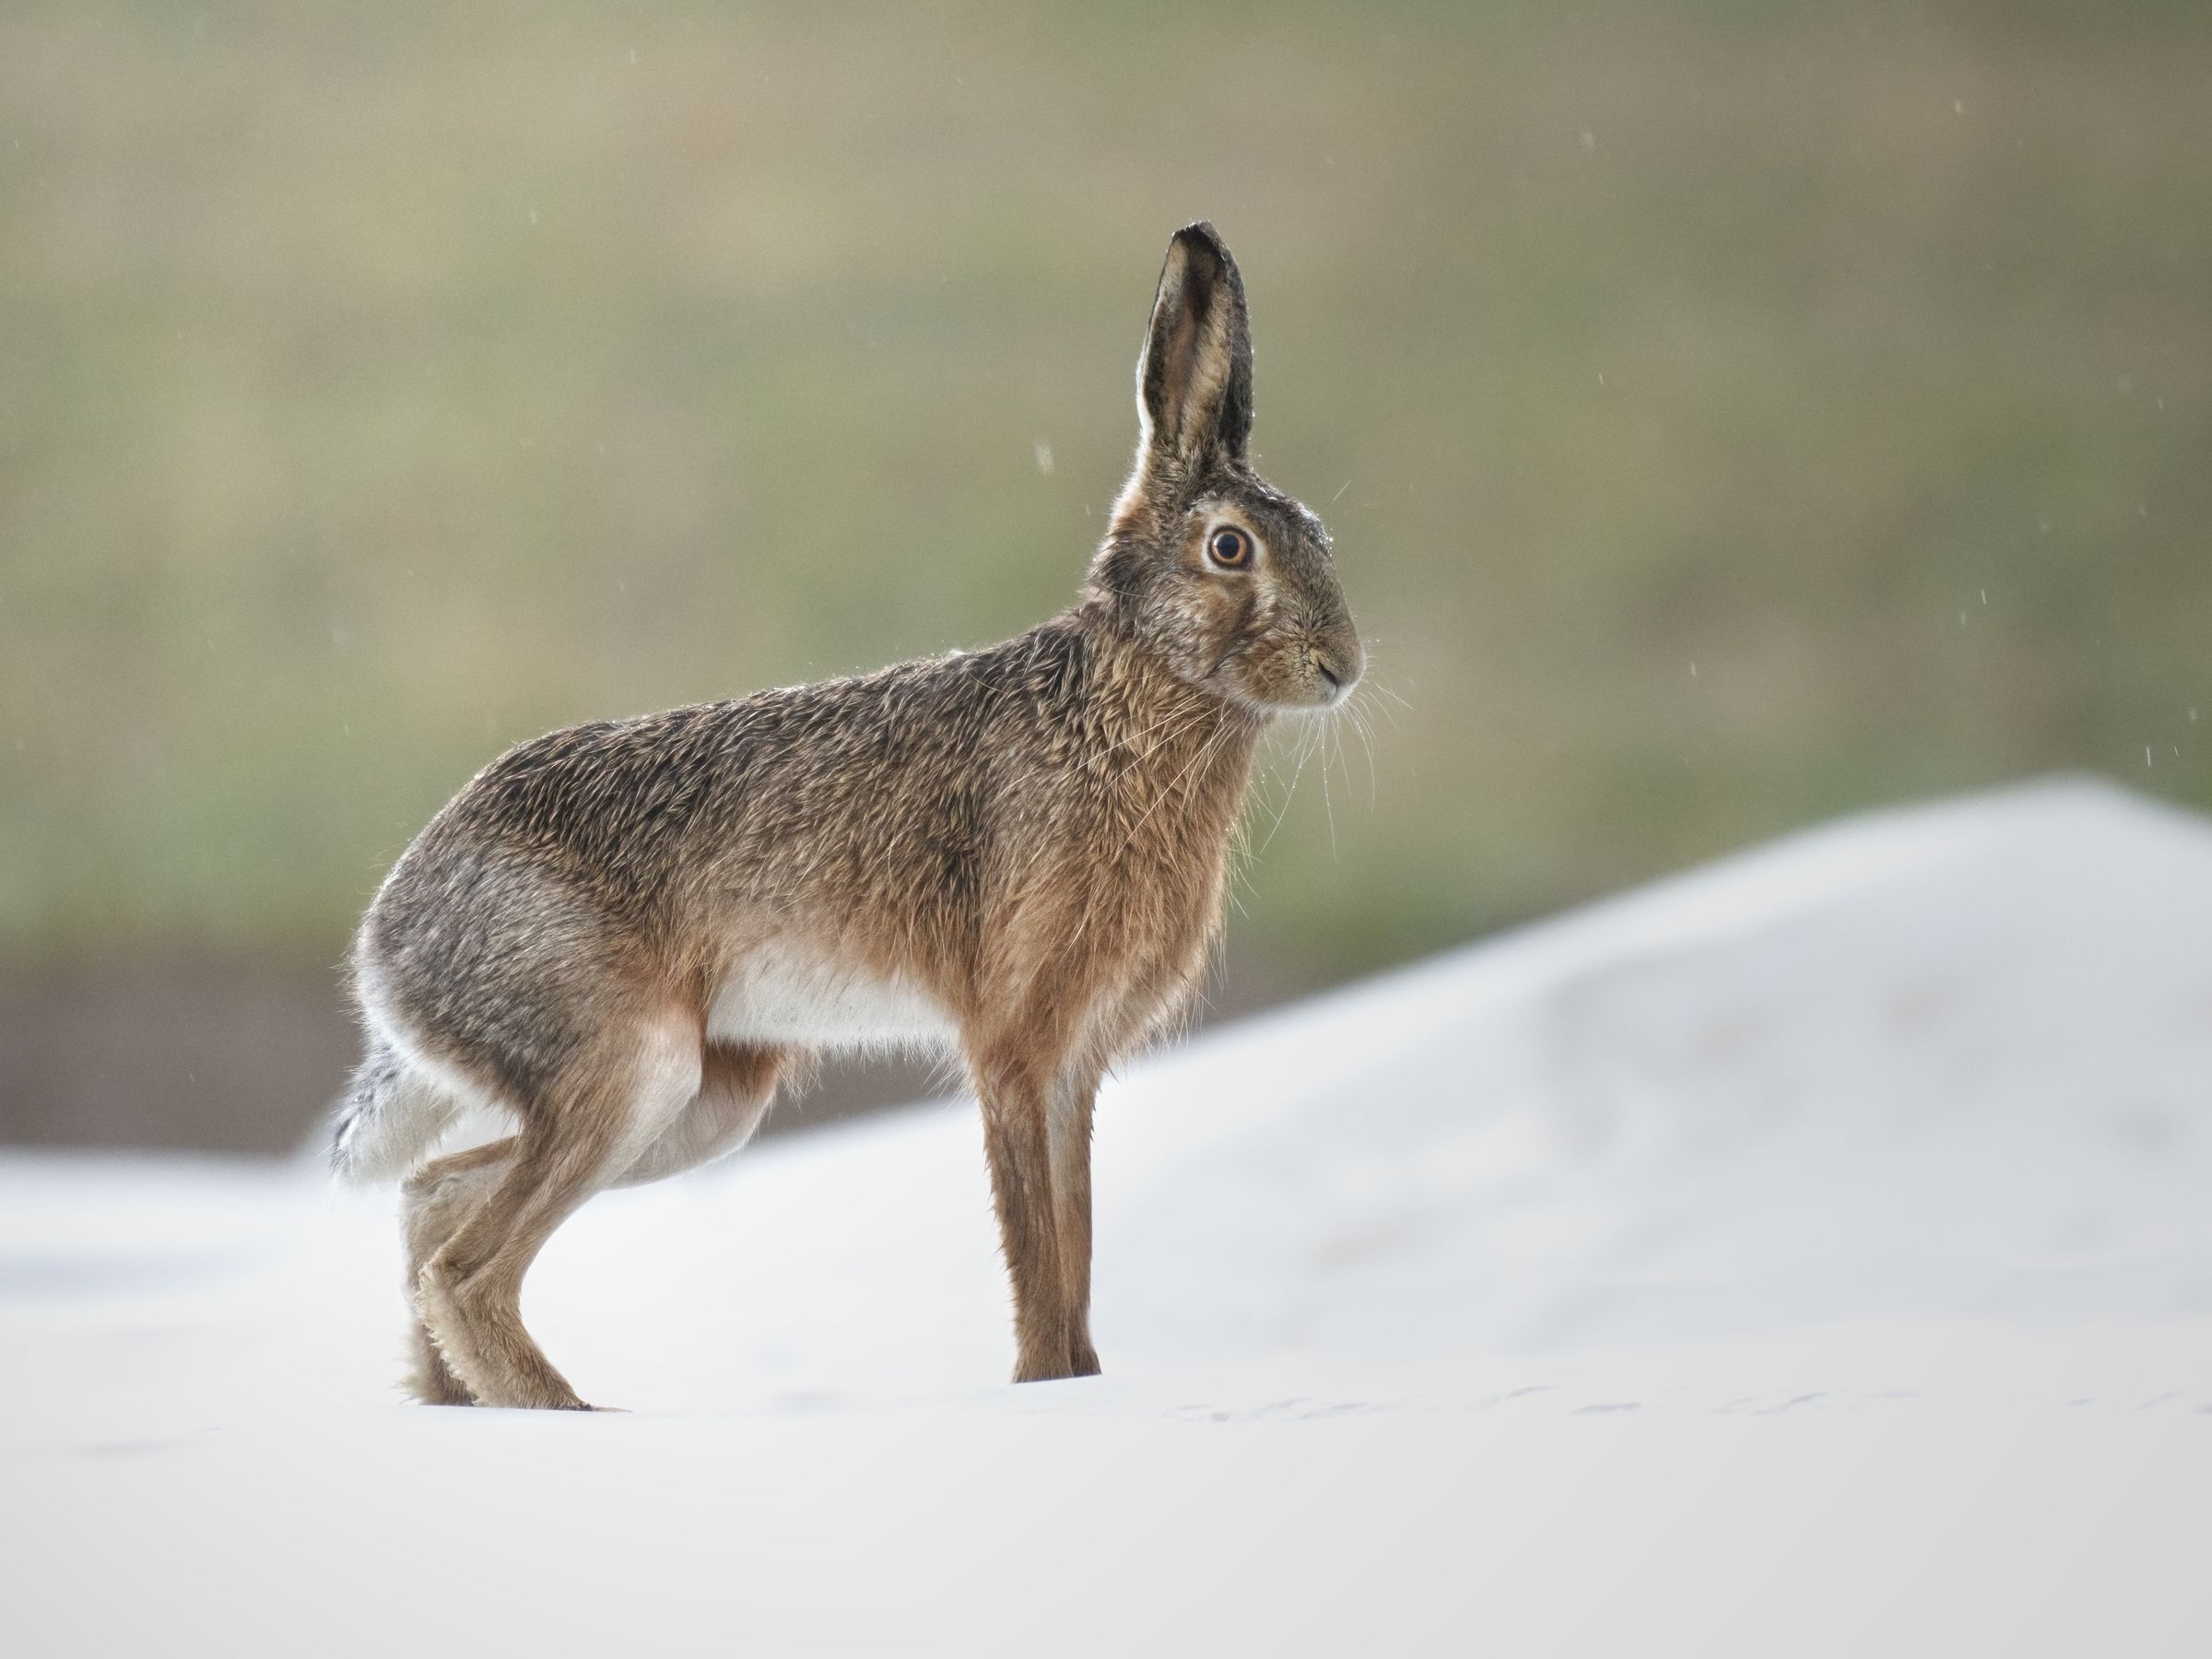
622, 935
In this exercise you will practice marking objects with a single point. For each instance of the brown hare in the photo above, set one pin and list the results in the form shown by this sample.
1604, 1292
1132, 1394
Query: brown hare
622, 936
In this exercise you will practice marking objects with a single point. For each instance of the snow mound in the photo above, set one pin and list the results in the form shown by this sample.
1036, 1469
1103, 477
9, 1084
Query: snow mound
1946, 1062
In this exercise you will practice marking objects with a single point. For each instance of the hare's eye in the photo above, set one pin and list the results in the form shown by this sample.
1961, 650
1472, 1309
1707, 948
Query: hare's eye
1230, 547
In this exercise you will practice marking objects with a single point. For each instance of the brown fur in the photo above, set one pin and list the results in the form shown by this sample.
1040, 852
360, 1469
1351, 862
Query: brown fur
624, 934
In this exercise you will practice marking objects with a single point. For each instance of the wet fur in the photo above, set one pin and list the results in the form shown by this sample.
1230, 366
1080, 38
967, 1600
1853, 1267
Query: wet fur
623, 934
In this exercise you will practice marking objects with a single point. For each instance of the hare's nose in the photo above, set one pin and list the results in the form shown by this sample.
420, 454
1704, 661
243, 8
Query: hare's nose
1339, 663
1340, 673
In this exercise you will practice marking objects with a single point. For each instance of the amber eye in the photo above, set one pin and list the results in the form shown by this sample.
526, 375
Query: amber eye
1230, 547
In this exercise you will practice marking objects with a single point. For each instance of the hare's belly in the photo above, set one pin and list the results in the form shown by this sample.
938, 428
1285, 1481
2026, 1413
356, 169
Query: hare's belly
785, 993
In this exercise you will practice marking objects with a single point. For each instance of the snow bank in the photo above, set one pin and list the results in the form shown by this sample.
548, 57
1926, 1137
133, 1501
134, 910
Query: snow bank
1953, 1062
1806, 1255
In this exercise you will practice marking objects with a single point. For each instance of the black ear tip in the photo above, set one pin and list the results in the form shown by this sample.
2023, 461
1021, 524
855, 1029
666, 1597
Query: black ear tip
1199, 236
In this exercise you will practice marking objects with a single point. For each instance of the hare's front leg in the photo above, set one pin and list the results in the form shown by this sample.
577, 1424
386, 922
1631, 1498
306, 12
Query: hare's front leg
1017, 1139
1068, 1130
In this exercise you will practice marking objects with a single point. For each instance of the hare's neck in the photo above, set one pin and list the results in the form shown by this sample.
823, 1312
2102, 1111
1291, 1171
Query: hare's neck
1181, 757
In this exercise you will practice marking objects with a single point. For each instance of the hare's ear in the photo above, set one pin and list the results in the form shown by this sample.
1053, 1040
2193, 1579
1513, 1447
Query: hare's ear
1193, 384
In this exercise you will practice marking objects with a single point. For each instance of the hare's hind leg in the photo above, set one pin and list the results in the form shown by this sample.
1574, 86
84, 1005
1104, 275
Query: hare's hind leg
578, 1137
435, 1200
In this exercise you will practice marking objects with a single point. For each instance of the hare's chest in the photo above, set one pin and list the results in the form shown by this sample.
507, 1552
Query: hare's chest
787, 992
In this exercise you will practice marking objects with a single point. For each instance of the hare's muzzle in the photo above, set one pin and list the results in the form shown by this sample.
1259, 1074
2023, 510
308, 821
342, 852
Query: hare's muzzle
1337, 661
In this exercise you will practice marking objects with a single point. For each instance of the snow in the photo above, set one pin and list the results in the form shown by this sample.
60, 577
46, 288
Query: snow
1808, 1254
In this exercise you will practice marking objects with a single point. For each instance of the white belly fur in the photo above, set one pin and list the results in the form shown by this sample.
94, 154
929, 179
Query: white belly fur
782, 993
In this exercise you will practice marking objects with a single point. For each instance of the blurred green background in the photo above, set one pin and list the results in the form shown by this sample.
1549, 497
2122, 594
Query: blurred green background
1728, 414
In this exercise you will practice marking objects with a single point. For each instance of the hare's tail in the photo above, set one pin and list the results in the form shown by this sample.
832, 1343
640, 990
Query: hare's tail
388, 1121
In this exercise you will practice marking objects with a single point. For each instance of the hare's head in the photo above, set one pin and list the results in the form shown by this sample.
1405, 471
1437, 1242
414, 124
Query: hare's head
1228, 580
